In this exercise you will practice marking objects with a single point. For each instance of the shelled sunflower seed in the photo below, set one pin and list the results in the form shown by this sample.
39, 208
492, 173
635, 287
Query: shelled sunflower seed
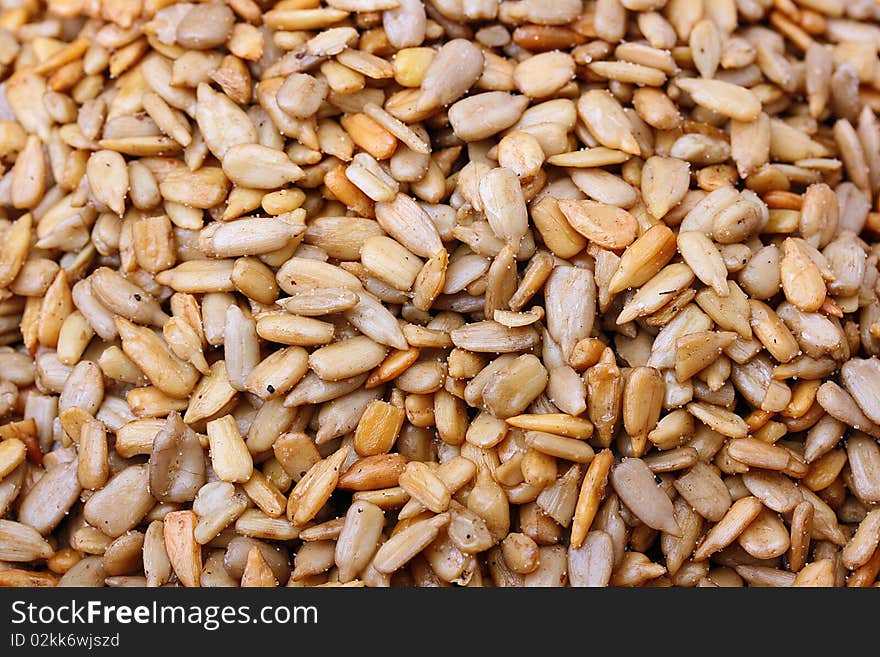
474, 293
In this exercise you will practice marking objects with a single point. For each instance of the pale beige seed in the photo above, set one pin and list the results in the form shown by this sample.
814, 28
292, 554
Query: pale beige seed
255, 280
358, 539
183, 553
12, 454
607, 122
839, 404
92, 451
561, 447
816, 574
634, 483
407, 543
125, 298
754, 452
644, 258
177, 462
697, 351
265, 495
222, 123
642, 399
861, 547
825, 525
589, 157
489, 336
240, 345
664, 183
605, 225
205, 26
604, 390
454, 473
852, 153
481, 116
679, 458
557, 423
397, 128
153, 242
276, 374
503, 203
558, 500
230, 458
772, 332
720, 419
256, 524
152, 354
347, 358
425, 486
50, 499
605, 187
766, 537
704, 259
103, 510
430, 281
488, 500
405, 24
801, 528
217, 505
19, 542
629, 73
729, 527
802, 281
457, 65
315, 488
257, 572
203, 189
738, 221
28, 180
610, 20
570, 299
706, 44
166, 120
301, 94
565, 388
556, 232
486, 431
818, 67
293, 330
731, 100
261, 167
861, 376
198, 276
108, 179
521, 152
320, 301
864, 462
13, 256
750, 144
407, 222
731, 311
656, 109
655, 293
512, 388
591, 564
543, 74
366, 174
